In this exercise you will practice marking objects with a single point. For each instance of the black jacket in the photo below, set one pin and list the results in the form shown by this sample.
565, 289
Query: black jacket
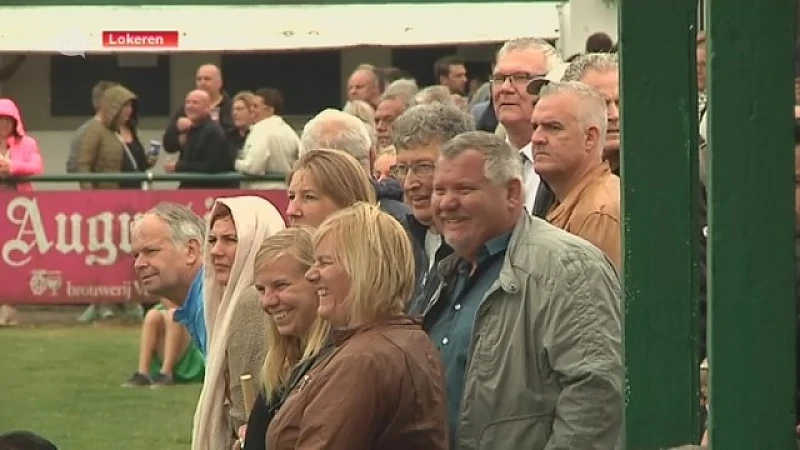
206, 151
390, 199
170, 141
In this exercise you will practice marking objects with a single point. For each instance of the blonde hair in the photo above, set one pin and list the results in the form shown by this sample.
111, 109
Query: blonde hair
248, 97
375, 251
284, 352
388, 150
338, 175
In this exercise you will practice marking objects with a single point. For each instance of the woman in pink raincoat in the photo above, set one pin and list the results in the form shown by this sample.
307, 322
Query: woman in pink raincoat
19, 156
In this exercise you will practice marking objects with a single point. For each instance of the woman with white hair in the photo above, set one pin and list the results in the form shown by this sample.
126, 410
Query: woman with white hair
234, 321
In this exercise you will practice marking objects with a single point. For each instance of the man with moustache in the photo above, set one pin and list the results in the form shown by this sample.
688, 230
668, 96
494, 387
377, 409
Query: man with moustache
520, 63
419, 133
206, 149
167, 247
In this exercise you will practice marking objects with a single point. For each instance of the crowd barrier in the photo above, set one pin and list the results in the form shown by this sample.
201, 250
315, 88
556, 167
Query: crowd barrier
73, 247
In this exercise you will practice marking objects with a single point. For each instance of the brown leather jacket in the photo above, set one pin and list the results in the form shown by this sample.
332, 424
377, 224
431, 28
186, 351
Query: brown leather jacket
382, 387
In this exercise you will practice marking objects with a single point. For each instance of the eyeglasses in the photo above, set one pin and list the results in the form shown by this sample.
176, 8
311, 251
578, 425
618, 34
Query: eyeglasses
424, 169
517, 78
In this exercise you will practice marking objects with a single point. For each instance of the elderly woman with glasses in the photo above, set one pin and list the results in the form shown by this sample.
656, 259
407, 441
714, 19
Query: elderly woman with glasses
381, 386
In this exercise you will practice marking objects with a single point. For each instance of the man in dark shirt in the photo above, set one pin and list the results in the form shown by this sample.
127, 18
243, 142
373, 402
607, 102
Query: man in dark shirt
205, 148
209, 79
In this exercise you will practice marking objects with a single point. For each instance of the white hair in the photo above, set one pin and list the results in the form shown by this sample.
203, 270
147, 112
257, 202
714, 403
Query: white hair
336, 130
592, 107
529, 43
432, 94
403, 90
503, 163
599, 62
184, 225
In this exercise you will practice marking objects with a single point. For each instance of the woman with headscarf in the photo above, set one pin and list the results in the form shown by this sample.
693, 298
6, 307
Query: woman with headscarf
234, 321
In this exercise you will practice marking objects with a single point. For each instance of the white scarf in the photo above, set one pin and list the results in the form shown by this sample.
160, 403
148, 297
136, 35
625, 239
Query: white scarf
255, 219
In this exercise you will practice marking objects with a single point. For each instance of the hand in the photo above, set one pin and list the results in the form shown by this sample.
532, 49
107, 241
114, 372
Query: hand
183, 124
169, 167
5, 166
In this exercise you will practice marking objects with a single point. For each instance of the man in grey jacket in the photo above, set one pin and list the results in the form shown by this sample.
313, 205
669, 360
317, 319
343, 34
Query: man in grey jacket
527, 316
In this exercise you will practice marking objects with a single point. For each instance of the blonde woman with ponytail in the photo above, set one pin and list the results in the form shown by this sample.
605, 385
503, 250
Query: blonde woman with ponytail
296, 337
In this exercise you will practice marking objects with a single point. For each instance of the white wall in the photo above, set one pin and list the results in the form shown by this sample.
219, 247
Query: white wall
583, 18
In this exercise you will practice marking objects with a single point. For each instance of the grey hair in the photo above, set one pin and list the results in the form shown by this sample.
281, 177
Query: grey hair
364, 112
600, 62
529, 43
436, 93
503, 163
336, 130
184, 225
592, 109
401, 89
422, 125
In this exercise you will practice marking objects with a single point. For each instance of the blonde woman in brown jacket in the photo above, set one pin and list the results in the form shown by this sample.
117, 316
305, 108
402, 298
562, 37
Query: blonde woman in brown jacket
382, 385
102, 148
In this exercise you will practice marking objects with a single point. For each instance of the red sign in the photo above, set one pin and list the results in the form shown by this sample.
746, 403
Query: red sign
74, 247
140, 39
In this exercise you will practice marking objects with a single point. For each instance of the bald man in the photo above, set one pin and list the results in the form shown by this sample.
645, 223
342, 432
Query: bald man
208, 79
365, 85
205, 148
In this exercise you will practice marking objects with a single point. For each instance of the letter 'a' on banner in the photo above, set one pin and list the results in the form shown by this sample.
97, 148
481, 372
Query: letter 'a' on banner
63, 247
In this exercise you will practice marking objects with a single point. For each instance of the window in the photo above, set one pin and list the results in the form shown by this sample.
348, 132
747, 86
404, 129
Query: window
419, 61
310, 81
72, 79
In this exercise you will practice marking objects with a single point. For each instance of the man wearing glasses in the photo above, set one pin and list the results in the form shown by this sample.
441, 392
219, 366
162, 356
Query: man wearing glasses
520, 63
418, 135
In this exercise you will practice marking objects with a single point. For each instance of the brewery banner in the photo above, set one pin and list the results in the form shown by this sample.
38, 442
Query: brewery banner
73, 247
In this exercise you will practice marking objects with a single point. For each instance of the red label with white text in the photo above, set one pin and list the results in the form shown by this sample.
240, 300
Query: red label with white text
140, 39
61, 247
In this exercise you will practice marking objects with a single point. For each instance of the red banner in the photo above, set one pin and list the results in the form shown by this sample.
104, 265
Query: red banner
62, 247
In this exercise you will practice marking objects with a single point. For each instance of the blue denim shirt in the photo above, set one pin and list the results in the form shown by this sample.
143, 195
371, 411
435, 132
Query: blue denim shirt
191, 313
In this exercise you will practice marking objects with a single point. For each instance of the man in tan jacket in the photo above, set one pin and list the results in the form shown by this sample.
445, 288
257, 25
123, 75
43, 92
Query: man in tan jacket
569, 131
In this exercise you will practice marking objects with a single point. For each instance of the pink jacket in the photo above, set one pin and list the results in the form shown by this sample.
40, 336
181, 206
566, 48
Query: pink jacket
22, 149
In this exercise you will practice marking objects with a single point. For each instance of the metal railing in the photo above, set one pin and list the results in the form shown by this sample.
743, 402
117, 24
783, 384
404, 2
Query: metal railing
146, 178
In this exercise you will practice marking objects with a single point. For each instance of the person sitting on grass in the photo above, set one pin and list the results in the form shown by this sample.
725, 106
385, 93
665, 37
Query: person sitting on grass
167, 354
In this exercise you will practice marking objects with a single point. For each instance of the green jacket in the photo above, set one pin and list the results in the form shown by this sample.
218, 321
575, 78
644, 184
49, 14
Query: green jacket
545, 367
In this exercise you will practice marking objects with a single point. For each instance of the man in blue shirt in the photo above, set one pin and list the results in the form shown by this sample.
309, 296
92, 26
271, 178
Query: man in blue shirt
167, 244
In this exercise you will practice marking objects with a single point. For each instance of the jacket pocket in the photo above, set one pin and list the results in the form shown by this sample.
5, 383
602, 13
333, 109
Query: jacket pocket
514, 433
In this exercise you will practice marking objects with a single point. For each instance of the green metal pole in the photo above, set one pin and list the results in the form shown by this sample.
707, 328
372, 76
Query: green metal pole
659, 172
751, 301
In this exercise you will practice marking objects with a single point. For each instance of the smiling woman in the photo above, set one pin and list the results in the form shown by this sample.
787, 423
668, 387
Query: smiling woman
364, 273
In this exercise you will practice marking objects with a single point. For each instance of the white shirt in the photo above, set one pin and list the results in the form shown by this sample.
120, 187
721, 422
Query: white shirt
271, 146
530, 178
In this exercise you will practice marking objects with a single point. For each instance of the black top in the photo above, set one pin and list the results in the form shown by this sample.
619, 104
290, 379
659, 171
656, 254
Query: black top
206, 151
262, 413
170, 139
137, 151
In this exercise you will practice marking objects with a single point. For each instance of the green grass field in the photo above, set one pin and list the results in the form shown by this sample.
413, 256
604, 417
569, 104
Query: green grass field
65, 384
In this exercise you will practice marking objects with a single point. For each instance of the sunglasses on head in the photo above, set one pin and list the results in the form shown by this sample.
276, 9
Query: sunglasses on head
535, 85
